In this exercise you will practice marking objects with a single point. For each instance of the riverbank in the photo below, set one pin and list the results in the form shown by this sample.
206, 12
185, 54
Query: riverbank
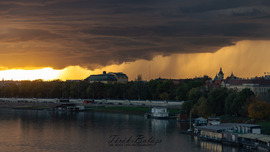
27, 105
127, 109
130, 109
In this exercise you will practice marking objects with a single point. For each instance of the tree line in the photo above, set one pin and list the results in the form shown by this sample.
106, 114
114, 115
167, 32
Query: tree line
223, 101
133, 90
199, 100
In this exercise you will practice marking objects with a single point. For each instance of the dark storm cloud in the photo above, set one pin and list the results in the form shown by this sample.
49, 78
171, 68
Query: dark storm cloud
104, 32
17, 35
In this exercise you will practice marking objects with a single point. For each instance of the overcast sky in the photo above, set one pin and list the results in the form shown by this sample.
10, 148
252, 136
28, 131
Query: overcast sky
98, 33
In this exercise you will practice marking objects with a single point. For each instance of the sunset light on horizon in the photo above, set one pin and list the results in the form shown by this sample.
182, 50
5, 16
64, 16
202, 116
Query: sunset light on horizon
177, 66
19, 74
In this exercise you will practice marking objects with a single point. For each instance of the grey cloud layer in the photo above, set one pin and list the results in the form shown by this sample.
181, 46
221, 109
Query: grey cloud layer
95, 33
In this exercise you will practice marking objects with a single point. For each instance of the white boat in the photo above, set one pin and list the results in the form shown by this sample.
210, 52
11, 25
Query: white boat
158, 113
214, 121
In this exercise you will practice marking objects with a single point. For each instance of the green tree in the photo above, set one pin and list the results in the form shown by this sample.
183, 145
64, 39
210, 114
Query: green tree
164, 96
184, 88
193, 95
242, 101
200, 109
216, 100
152, 89
259, 110
229, 109
186, 106
181, 92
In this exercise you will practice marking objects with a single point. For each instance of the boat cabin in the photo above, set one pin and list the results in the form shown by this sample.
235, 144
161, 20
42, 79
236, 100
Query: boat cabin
158, 112
213, 121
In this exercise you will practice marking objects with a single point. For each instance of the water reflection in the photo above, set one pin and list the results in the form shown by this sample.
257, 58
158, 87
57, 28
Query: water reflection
33, 130
216, 147
182, 125
158, 125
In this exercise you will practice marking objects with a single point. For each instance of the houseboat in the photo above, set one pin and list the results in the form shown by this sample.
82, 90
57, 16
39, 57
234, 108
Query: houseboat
247, 135
158, 113
255, 141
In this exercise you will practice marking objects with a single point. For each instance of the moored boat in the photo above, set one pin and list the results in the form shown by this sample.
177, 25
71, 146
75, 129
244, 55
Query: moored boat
158, 113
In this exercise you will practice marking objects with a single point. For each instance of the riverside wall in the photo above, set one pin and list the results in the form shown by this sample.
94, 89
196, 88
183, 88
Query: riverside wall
151, 103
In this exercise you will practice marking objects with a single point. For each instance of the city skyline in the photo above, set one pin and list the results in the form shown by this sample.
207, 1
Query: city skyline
170, 39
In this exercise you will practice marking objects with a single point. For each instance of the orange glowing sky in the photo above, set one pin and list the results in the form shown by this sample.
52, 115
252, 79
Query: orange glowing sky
245, 59
241, 59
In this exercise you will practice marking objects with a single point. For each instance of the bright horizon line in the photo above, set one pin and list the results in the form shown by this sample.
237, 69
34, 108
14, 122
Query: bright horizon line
50, 74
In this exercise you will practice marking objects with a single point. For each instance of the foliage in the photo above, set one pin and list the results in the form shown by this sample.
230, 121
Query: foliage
237, 103
201, 108
134, 90
183, 89
265, 127
259, 110
216, 101
200, 102
186, 106
229, 103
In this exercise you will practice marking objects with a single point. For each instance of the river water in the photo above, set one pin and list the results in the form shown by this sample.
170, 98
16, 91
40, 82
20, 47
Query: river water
37, 130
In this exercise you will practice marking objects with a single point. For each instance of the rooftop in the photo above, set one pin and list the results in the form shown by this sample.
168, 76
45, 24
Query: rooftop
239, 124
261, 137
214, 128
102, 77
225, 126
246, 81
119, 74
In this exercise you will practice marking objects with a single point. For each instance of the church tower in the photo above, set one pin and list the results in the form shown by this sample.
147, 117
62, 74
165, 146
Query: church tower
220, 75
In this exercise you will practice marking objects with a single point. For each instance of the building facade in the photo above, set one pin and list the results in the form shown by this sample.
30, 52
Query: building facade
108, 78
121, 77
257, 86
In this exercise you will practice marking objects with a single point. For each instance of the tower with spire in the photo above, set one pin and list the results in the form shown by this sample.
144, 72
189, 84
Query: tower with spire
220, 75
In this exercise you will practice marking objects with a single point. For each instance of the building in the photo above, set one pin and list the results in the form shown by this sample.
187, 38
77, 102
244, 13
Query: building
212, 132
220, 75
246, 135
227, 131
258, 86
108, 78
243, 128
121, 77
217, 82
255, 141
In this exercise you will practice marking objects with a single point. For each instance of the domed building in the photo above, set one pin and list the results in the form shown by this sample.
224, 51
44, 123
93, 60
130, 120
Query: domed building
220, 75
108, 78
